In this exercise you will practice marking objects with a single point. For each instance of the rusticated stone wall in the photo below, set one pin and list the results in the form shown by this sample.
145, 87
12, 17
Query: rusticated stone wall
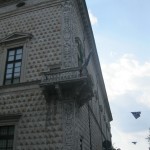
10, 5
50, 124
44, 49
40, 124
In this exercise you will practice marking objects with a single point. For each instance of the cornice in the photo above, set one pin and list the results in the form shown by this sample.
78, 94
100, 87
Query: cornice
87, 25
27, 9
9, 119
16, 36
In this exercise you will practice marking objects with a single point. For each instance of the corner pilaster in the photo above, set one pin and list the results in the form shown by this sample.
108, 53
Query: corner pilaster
68, 41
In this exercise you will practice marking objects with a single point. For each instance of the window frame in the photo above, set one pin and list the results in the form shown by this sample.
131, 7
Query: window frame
3, 58
7, 137
15, 39
14, 61
11, 120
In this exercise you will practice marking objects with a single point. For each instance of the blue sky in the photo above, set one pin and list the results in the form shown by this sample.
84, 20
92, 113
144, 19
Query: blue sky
124, 21
122, 33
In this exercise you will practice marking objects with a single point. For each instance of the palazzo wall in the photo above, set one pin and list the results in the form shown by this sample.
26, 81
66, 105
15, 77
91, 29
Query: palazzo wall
44, 120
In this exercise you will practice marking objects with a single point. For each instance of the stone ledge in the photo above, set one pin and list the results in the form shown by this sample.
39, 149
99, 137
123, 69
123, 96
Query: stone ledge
19, 87
28, 9
9, 119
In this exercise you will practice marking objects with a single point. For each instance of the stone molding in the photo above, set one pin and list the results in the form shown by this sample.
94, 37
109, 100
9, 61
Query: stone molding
19, 87
15, 36
9, 119
28, 9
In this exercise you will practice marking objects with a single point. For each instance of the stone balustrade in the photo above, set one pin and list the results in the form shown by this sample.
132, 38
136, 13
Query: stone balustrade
63, 76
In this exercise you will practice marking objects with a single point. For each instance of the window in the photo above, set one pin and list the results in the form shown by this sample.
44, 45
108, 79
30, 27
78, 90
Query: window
6, 137
13, 66
13, 42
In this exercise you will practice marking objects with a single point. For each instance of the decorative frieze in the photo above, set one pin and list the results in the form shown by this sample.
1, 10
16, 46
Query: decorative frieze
67, 35
68, 125
63, 75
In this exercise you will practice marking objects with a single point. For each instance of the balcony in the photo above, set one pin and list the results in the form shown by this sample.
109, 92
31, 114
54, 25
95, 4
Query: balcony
71, 81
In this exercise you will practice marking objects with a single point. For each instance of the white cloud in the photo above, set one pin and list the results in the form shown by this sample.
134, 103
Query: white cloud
124, 140
127, 75
93, 18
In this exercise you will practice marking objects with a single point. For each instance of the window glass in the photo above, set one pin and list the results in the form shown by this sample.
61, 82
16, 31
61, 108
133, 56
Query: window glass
9, 71
19, 51
6, 137
18, 64
19, 56
16, 74
2, 143
10, 65
17, 69
11, 58
11, 53
10, 143
3, 131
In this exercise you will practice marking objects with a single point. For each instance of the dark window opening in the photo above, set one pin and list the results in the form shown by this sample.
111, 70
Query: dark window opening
13, 66
6, 137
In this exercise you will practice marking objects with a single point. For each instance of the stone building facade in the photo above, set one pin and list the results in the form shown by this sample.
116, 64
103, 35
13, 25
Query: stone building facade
52, 94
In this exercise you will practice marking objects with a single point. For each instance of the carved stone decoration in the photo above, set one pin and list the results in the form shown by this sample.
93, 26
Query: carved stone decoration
67, 35
68, 125
16, 36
